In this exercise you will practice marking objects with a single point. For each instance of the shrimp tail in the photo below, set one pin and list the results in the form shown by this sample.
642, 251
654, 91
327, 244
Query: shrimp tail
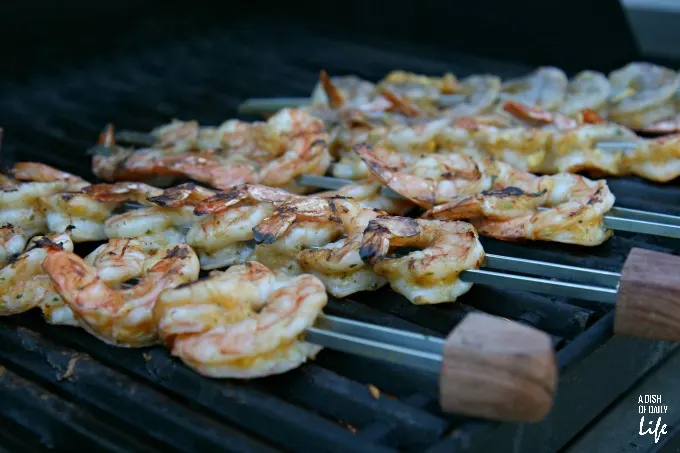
107, 137
182, 195
379, 232
273, 227
464, 208
335, 98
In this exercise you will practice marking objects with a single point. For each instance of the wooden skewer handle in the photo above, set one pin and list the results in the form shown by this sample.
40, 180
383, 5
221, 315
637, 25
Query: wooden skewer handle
648, 300
498, 369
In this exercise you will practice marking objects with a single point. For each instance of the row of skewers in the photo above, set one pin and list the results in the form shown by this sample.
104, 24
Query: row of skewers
640, 96
284, 252
291, 151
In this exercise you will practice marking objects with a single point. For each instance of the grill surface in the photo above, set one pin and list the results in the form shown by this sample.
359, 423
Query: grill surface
64, 387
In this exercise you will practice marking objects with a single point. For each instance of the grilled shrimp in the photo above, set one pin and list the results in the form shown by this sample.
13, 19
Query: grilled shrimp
348, 89
167, 219
38, 172
643, 94
545, 88
20, 195
121, 317
655, 159
428, 181
369, 194
295, 225
575, 211
24, 285
84, 212
338, 263
242, 323
429, 275
481, 94
588, 90
223, 235
305, 151
12, 243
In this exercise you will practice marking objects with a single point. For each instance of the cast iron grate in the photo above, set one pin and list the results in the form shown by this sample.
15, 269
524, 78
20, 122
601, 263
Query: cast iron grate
80, 390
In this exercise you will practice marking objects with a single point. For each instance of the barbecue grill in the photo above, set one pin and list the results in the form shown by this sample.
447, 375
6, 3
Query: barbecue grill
61, 388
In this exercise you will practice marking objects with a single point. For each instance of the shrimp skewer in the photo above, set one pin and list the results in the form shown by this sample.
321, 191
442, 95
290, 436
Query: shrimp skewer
83, 213
121, 317
165, 221
429, 275
241, 323
291, 143
20, 194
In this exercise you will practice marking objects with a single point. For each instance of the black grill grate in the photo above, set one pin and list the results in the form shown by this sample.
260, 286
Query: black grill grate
63, 386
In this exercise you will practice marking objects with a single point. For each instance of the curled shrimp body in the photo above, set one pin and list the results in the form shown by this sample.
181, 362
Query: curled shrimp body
588, 90
83, 213
574, 214
165, 222
12, 243
655, 159
242, 323
223, 234
338, 263
121, 317
643, 94
294, 226
117, 262
481, 94
428, 181
23, 284
369, 195
305, 150
545, 88
350, 88
20, 195
429, 275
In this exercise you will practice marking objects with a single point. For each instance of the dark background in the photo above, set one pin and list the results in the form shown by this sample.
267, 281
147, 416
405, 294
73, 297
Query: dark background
570, 34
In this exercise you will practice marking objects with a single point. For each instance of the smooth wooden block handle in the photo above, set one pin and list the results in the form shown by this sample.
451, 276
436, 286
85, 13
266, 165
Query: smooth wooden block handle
648, 300
498, 369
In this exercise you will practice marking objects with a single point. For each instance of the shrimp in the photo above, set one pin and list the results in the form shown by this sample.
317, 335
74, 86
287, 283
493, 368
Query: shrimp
420, 89
655, 159
369, 194
180, 135
545, 88
481, 94
588, 90
223, 234
84, 212
245, 322
306, 150
338, 264
429, 275
167, 219
348, 89
295, 225
12, 243
574, 215
429, 181
643, 94
121, 317
24, 285
20, 195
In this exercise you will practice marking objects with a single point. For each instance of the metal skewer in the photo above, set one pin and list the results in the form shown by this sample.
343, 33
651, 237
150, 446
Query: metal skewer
645, 295
621, 219
256, 106
480, 345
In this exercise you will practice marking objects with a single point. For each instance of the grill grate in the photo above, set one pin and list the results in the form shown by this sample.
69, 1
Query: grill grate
84, 390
